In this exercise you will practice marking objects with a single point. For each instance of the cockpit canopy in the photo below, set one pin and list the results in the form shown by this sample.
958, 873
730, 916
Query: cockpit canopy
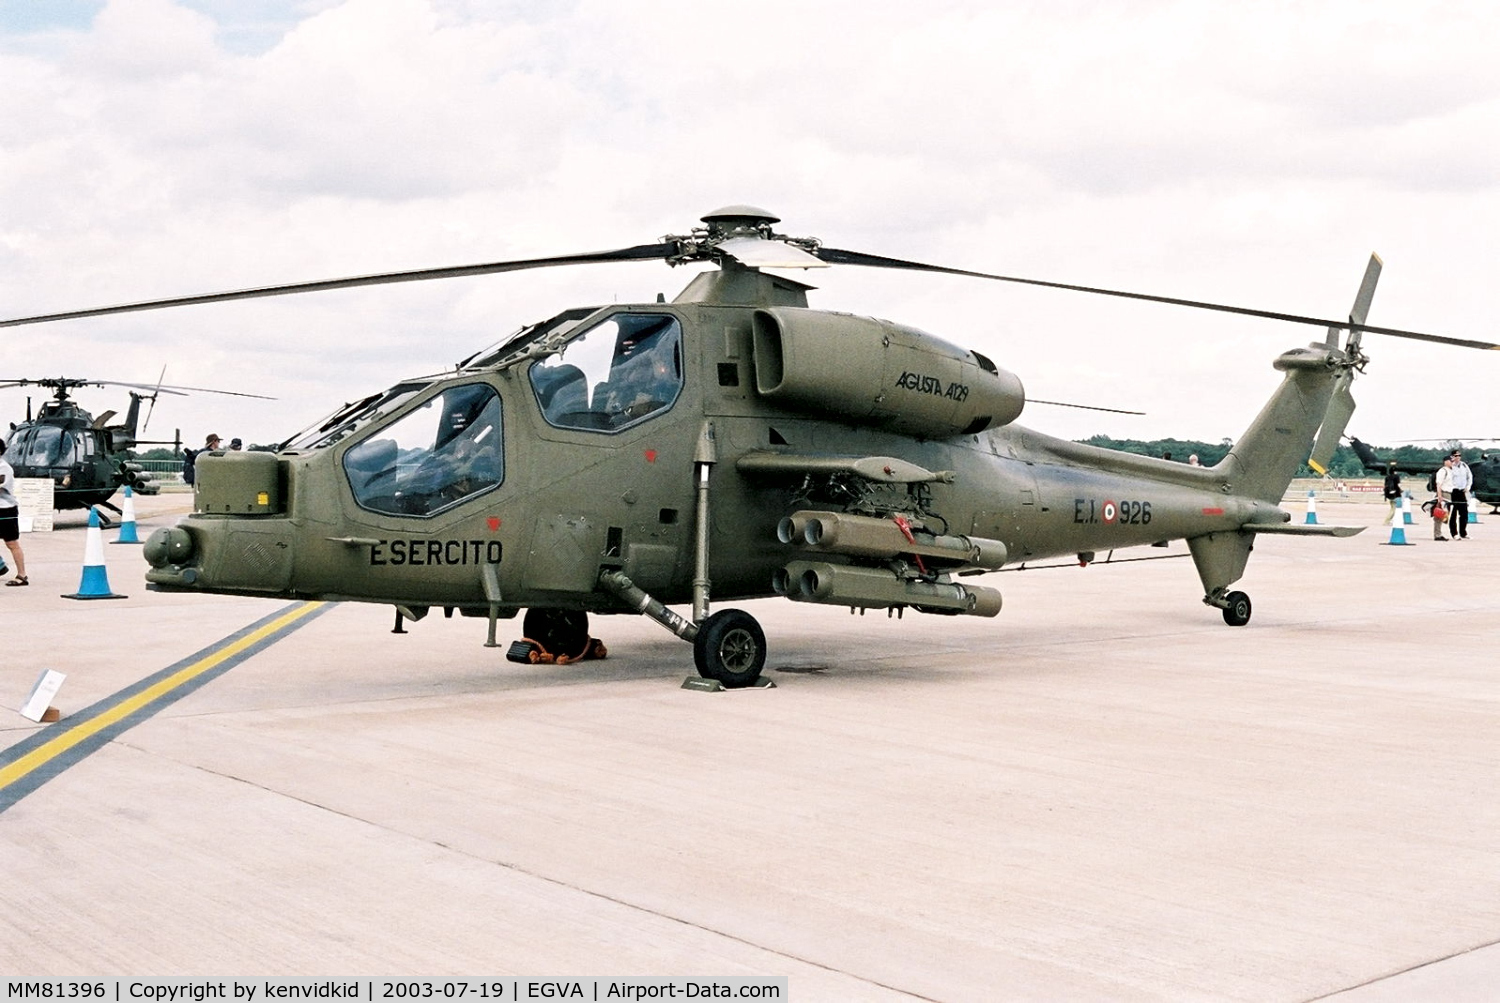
51, 446
617, 373
445, 450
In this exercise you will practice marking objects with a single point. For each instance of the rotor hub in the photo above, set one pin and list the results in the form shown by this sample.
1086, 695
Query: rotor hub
739, 233
732, 218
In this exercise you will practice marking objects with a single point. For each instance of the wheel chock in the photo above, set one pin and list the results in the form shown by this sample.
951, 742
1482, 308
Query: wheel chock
703, 685
523, 652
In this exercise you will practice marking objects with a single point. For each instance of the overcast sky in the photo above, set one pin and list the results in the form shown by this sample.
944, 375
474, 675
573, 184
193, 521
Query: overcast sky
1251, 154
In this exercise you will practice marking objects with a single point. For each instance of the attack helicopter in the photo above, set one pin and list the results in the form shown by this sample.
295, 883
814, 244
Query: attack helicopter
1486, 470
732, 443
87, 458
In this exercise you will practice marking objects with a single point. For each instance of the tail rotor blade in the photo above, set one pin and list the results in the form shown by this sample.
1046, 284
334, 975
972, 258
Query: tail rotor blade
1335, 420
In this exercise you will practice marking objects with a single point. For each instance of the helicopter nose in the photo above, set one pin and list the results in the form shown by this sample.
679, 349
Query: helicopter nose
167, 546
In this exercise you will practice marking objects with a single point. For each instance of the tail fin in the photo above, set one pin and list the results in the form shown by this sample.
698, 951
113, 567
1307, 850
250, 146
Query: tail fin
1341, 407
1312, 401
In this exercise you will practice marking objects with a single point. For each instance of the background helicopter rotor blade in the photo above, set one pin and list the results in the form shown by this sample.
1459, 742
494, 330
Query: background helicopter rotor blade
199, 390
642, 252
841, 257
1085, 407
155, 388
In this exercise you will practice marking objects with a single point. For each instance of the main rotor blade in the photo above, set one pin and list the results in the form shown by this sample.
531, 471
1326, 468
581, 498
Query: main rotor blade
838, 257
641, 252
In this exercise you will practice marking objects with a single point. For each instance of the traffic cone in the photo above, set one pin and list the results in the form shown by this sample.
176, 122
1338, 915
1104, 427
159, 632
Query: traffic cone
1473, 517
1398, 537
1312, 507
95, 581
127, 520
1406, 519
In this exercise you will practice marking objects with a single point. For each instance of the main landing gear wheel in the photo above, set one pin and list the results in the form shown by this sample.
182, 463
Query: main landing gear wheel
1237, 613
562, 632
731, 648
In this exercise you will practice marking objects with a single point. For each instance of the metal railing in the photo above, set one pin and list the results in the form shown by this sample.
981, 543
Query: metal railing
163, 471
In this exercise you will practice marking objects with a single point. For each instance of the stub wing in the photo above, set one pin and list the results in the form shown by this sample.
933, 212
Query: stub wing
886, 469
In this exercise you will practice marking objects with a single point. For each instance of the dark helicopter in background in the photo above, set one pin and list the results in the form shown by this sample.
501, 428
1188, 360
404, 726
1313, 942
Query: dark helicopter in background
87, 458
1486, 470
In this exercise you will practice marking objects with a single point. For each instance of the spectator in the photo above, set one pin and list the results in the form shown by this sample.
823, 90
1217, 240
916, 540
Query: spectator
1443, 484
10, 521
1392, 491
1461, 484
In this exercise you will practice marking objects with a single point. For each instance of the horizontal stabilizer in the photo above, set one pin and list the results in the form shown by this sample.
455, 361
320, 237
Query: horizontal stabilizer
1300, 529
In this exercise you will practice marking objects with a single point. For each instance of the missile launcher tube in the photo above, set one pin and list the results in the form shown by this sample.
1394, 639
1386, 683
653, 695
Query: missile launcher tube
876, 588
869, 537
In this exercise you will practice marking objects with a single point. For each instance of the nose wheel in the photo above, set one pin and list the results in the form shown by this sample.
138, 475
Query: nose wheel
730, 647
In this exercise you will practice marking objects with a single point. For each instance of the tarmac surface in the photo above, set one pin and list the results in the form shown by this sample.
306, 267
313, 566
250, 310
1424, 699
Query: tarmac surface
1104, 793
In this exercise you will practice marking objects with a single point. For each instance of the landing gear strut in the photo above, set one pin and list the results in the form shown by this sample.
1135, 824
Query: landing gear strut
728, 647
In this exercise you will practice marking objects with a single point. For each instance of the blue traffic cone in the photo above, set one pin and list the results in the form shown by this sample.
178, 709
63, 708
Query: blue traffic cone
95, 581
1473, 517
1312, 507
1406, 518
127, 520
1398, 537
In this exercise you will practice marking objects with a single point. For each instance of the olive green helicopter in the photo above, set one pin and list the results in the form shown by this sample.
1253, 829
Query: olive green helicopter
730, 444
88, 458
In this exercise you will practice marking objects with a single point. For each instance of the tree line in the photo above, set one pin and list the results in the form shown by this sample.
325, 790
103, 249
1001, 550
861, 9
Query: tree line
1344, 463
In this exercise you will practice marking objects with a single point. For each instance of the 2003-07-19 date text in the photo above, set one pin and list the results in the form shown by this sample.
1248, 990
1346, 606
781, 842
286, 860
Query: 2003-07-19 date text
445, 990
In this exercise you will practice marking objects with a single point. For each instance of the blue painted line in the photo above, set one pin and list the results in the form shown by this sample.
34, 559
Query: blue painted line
34, 760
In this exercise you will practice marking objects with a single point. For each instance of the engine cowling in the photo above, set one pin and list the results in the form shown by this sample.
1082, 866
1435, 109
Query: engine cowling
873, 372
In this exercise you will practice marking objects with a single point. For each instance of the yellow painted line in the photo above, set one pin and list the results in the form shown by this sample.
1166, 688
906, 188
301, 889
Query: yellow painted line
84, 730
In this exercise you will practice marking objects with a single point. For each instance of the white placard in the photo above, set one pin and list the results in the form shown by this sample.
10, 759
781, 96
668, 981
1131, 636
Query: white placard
47, 685
34, 500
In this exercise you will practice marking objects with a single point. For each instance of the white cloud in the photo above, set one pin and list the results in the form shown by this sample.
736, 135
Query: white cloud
1251, 154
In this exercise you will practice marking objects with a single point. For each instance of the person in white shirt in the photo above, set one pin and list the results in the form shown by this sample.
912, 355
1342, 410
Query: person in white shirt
1460, 485
10, 520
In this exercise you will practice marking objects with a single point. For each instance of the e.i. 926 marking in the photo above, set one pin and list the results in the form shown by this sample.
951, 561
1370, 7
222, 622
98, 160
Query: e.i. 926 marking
1091, 511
